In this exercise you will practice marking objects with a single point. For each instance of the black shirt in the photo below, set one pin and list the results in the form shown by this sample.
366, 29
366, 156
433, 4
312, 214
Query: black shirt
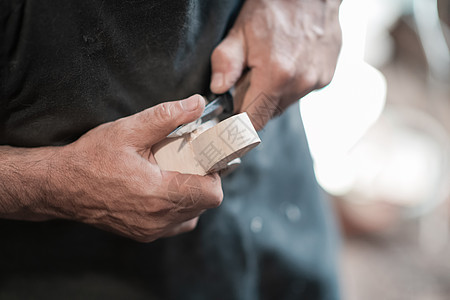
67, 66
77, 64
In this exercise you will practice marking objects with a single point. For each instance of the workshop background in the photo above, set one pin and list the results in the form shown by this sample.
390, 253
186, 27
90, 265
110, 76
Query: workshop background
380, 138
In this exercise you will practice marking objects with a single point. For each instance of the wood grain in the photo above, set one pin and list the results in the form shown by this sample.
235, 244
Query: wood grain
208, 149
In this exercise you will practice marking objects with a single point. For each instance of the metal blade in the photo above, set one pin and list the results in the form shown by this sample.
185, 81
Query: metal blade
223, 104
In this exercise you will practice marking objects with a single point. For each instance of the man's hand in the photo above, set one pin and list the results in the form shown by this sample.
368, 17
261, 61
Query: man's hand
109, 178
288, 47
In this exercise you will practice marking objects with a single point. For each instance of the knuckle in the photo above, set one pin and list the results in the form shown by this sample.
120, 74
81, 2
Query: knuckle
309, 81
283, 73
217, 197
226, 61
164, 112
219, 53
325, 80
190, 226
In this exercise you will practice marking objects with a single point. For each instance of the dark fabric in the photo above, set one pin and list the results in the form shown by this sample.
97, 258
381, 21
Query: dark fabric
273, 236
78, 64
67, 66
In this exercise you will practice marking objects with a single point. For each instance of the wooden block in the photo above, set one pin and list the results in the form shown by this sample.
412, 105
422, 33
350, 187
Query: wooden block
208, 149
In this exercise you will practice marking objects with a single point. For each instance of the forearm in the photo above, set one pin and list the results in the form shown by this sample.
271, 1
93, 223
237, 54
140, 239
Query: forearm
107, 179
24, 180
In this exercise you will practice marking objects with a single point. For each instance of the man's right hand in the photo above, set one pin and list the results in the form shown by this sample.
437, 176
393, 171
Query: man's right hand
108, 178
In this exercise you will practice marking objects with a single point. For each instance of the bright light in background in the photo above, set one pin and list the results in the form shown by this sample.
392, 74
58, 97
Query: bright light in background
337, 116
387, 164
403, 158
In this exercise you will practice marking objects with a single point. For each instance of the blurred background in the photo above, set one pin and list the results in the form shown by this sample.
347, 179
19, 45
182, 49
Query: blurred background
380, 138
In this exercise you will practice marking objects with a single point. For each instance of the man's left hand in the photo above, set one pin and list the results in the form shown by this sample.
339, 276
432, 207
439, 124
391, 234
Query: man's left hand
280, 51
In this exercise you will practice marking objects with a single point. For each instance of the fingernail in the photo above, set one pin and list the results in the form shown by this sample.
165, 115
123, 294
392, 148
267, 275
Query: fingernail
217, 81
191, 103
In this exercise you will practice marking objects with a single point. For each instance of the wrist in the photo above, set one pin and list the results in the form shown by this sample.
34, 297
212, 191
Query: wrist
25, 189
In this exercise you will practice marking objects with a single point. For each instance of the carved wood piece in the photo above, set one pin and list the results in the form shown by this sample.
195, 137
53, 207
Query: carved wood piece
209, 148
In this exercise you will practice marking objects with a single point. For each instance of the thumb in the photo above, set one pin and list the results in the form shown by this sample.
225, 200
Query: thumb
154, 124
227, 62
